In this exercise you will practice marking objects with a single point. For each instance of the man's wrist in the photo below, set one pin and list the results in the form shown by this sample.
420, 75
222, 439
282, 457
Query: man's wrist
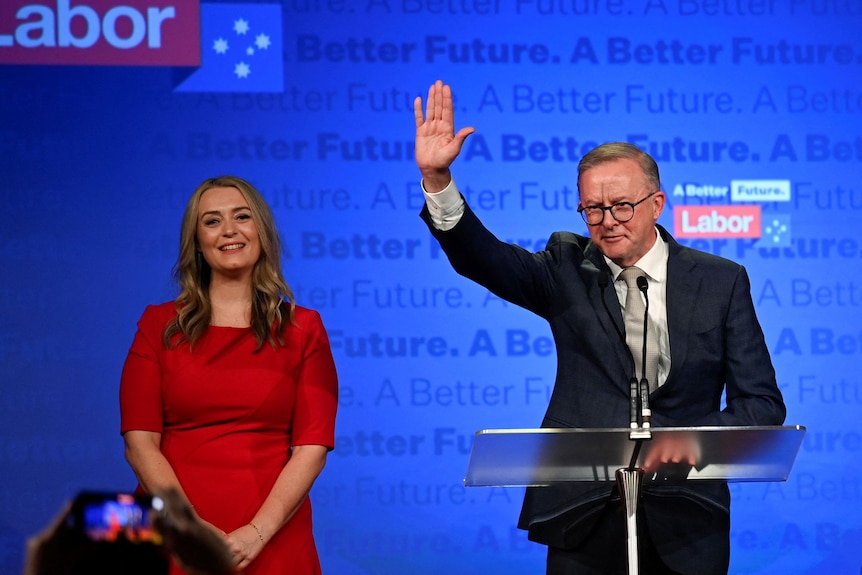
434, 181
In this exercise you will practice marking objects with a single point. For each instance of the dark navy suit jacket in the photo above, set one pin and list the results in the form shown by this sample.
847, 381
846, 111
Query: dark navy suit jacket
716, 344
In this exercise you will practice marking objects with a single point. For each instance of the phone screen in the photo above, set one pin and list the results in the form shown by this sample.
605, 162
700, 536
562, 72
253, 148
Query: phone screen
113, 517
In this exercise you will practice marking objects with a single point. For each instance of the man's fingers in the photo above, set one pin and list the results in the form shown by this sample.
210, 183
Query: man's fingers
438, 89
463, 133
417, 111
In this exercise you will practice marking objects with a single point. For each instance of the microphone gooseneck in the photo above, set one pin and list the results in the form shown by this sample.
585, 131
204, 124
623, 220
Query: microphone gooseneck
646, 412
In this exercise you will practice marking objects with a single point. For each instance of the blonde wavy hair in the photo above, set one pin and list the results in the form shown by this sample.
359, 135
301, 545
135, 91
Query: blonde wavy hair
271, 296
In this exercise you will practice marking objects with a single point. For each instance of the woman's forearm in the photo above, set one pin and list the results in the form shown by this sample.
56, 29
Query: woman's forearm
149, 464
290, 489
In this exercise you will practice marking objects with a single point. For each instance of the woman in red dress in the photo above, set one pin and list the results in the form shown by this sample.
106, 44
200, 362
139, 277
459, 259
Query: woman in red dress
229, 393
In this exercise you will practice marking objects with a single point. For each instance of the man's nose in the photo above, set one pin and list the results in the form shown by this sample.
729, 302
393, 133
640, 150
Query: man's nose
608, 220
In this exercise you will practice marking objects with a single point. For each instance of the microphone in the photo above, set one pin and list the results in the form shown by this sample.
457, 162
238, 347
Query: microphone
634, 401
646, 412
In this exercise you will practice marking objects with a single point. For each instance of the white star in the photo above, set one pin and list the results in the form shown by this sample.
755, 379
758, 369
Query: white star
262, 41
240, 26
242, 70
250, 51
220, 46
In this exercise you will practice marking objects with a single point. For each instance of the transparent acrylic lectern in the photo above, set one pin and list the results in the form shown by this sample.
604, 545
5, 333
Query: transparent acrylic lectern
548, 456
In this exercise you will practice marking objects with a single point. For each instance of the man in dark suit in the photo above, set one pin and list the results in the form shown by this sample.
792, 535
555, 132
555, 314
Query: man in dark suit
701, 315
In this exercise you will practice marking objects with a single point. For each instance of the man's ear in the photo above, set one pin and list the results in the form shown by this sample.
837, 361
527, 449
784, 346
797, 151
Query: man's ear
658, 201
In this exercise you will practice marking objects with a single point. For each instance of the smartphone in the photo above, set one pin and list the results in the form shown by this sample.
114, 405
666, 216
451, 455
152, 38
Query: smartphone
115, 517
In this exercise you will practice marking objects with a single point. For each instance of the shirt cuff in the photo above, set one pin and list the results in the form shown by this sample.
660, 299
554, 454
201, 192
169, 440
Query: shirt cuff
445, 207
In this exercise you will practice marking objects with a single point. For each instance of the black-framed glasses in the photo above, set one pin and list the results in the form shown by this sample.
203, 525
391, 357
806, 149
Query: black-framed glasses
622, 211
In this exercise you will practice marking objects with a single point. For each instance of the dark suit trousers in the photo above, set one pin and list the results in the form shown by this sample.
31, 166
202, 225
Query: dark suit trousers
603, 551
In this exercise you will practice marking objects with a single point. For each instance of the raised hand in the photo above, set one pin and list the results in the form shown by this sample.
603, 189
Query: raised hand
437, 144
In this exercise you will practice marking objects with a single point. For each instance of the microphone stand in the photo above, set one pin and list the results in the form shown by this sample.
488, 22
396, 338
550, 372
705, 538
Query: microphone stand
630, 479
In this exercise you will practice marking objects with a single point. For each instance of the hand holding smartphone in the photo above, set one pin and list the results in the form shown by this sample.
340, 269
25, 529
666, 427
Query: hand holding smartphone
100, 534
123, 534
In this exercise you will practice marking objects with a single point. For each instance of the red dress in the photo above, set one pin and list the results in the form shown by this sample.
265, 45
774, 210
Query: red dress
228, 416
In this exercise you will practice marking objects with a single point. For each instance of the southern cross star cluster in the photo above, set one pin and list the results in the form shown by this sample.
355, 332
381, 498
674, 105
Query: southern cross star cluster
241, 29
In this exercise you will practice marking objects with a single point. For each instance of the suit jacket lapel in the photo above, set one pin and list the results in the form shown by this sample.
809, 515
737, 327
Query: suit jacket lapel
620, 351
682, 289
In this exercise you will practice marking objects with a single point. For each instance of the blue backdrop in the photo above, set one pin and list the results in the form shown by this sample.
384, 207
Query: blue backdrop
747, 105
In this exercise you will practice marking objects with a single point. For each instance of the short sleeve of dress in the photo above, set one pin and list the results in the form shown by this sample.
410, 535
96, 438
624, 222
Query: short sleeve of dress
317, 388
141, 381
